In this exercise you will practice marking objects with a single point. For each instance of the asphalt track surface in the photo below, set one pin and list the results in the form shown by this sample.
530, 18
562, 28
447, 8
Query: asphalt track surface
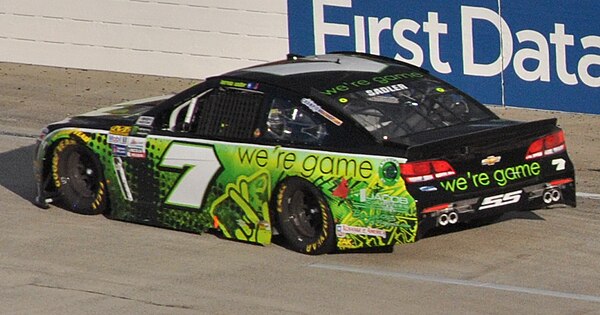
56, 262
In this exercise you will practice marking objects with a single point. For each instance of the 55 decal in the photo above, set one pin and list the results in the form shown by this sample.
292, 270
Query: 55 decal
501, 200
198, 164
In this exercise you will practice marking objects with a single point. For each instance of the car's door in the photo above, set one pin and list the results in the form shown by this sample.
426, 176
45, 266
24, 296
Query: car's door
199, 183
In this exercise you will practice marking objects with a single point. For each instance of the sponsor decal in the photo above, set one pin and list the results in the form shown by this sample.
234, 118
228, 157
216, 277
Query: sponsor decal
99, 196
122, 143
389, 172
500, 177
319, 110
84, 137
119, 150
383, 201
388, 79
117, 139
386, 198
491, 160
136, 147
324, 232
145, 121
241, 85
120, 130
342, 230
62, 145
136, 143
386, 89
306, 164
136, 154
428, 189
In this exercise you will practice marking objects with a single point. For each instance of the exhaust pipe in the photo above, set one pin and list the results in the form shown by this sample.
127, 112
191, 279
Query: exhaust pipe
443, 220
552, 195
556, 195
449, 218
452, 217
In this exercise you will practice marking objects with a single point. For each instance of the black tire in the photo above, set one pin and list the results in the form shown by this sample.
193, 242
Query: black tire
304, 217
77, 175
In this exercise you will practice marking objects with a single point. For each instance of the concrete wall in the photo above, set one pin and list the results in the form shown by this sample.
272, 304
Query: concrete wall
181, 38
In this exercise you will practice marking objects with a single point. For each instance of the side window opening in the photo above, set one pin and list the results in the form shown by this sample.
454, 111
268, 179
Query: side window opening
182, 118
228, 113
177, 117
289, 122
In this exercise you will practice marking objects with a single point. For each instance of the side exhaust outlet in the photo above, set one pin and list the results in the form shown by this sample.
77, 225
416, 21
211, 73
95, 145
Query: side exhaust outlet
556, 195
443, 220
447, 218
452, 217
552, 195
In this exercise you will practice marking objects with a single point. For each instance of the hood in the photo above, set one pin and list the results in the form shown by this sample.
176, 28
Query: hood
130, 109
119, 114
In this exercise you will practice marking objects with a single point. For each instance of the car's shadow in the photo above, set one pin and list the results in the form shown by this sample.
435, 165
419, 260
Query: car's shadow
16, 172
461, 227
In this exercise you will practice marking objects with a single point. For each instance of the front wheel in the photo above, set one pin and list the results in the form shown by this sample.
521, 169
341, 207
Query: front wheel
304, 217
77, 174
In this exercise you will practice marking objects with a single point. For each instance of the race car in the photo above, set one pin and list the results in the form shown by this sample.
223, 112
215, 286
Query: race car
331, 152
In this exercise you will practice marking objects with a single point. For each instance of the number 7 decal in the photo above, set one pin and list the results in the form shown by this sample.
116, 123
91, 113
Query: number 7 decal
560, 164
199, 164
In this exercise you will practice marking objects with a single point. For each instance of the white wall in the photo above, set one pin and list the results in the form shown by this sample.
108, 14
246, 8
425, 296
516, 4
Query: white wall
181, 38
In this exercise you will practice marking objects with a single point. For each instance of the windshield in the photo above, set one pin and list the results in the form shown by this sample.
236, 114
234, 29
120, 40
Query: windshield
410, 107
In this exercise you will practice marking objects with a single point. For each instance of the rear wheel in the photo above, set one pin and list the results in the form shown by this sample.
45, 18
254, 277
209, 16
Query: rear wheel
77, 175
304, 217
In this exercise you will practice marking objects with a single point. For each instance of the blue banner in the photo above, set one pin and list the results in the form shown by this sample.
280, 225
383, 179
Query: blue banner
537, 54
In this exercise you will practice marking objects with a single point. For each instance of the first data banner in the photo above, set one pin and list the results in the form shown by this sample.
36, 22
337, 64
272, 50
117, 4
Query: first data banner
536, 54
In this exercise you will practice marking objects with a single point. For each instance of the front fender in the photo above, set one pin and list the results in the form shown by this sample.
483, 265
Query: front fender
42, 161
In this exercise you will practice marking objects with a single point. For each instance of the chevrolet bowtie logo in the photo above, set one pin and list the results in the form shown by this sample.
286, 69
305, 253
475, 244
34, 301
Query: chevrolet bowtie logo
491, 160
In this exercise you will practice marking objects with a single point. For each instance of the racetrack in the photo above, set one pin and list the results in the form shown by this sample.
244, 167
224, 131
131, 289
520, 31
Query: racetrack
56, 262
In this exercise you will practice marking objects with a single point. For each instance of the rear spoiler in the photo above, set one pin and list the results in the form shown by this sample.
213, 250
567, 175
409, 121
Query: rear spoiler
470, 142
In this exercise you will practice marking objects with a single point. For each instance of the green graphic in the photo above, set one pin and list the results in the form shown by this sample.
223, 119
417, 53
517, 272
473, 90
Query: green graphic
244, 206
501, 177
170, 185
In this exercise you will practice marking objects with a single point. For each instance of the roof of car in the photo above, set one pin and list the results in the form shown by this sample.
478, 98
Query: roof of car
337, 72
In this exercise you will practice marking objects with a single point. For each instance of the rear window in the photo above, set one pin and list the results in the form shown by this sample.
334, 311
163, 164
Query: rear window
411, 106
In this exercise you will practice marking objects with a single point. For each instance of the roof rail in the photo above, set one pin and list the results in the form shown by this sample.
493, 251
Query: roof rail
379, 57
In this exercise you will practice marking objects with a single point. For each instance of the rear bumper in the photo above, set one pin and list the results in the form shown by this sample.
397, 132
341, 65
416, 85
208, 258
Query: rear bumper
531, 197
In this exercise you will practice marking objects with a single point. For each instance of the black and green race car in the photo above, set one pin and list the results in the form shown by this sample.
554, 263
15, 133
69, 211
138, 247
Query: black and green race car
336, 151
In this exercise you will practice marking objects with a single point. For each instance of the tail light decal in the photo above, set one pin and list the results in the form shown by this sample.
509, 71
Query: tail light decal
442, 207
548, 145
560, 182
424, 171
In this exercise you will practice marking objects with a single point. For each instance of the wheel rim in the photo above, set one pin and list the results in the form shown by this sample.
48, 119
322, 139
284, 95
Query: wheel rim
82, 174
305, 214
